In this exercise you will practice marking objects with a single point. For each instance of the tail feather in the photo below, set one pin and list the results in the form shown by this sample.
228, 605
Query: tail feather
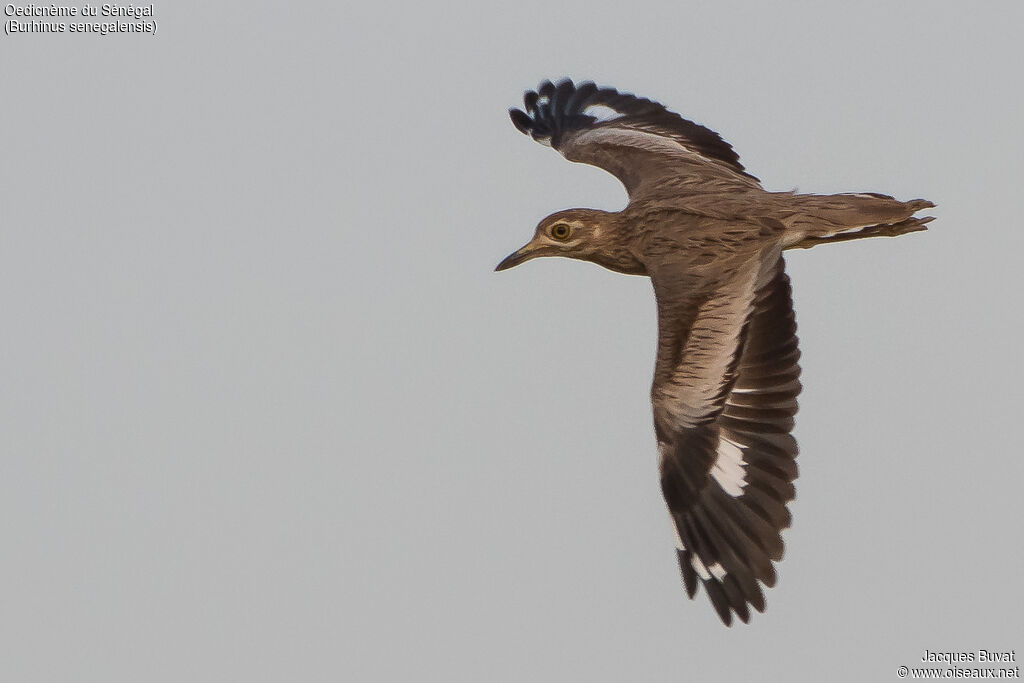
830, 217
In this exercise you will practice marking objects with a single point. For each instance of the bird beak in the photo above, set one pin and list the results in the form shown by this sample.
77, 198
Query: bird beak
521, 256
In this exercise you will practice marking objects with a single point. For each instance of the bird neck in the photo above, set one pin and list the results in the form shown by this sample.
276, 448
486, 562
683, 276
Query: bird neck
618, 247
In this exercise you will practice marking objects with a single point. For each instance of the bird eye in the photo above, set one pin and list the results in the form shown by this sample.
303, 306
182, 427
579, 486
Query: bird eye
560, 231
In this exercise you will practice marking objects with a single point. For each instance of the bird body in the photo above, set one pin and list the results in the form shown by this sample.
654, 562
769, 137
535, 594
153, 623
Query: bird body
711, 239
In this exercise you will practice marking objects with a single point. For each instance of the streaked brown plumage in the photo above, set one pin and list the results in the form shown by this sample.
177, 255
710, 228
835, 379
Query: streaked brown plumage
726, 377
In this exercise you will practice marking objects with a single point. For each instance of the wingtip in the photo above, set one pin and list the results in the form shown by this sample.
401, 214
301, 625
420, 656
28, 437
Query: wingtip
689, 575
719, 601
520, 120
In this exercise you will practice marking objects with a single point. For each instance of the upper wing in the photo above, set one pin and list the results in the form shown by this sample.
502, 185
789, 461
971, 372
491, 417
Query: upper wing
649, 148
724, 397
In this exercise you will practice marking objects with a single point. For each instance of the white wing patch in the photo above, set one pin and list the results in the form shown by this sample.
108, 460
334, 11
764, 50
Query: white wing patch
602, 112
729, 469
716, 570
699, 567
642, 139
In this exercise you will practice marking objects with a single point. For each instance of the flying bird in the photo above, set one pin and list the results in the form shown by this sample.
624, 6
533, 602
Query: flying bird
726, 378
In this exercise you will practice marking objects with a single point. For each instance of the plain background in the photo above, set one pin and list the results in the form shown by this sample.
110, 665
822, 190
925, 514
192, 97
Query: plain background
267, 414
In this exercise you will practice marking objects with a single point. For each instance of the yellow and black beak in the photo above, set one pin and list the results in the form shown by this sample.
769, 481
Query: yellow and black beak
523, 255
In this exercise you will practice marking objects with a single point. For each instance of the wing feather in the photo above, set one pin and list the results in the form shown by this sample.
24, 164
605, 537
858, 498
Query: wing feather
723, 417
649, 148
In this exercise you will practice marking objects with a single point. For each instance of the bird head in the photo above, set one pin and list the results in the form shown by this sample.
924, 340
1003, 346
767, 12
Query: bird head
574, 233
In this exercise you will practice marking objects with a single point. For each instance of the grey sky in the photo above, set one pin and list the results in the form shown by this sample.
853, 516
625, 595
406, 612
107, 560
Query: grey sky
266, 413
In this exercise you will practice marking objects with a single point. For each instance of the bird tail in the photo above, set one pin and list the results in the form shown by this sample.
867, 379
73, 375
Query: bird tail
840, 217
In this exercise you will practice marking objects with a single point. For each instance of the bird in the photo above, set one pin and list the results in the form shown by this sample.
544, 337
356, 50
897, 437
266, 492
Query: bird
727, 374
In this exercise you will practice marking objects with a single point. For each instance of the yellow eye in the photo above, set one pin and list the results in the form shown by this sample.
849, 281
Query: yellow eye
560, 231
